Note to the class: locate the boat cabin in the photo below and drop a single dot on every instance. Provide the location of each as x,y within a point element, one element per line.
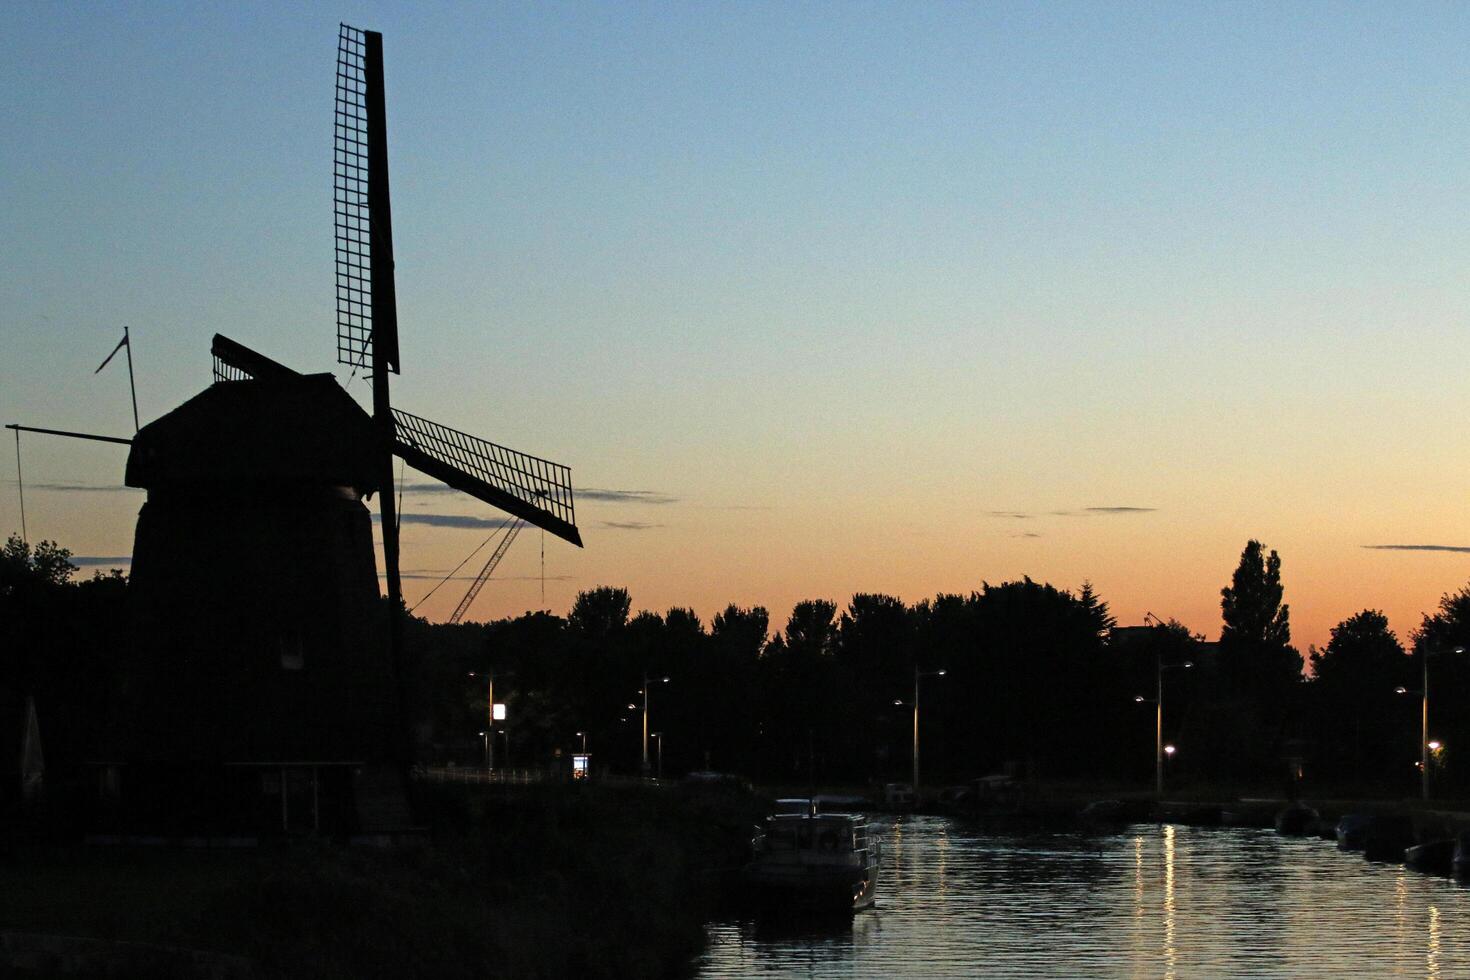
<point>805,834</point>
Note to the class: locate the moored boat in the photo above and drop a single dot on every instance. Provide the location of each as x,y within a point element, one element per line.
<point>1461,860</point>
<point>1435,857</point>
<point>1296,820</point>
<point>1352,831</point>
<point>814,861</point>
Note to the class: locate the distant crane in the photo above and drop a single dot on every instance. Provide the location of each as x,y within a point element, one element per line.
<point>511,531</point>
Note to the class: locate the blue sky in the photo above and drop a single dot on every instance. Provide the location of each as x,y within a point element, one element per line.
<point>845,281</point>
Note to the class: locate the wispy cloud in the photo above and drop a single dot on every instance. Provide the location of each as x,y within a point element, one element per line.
<point>105,561</point>
<point>628,525</point>
<point>599,494</point>
<point>1021,515</point>
<point>1454,548</point>
<point>603,495</point>
<point>83,487</point>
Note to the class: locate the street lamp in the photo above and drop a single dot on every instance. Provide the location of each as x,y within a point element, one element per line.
<point>1424,745</point>
<point>634,707</point>
<point>584,742</point>
<point>1158,702</point>
<point>506,735</point>
<point>915,704</point>
<point>490,713</point>
<point>486,737</point>
<point>660,737</point>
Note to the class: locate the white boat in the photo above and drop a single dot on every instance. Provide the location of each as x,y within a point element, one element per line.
<point>814,861</point>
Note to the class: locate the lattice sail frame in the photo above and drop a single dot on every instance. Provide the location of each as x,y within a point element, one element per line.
<point>537,483</point>
<point>351,203</point>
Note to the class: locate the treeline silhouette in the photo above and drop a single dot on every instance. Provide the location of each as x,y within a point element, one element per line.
<point>1037,679</point>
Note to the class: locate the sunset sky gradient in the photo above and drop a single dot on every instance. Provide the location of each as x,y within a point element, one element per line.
<point>859,297</point>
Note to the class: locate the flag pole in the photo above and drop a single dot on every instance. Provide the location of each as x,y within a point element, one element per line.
<point>132,387</point>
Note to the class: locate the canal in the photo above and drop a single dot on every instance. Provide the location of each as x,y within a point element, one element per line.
<point>1146,901</point>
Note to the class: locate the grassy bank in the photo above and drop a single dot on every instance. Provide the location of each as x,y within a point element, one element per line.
<point>549,881</point>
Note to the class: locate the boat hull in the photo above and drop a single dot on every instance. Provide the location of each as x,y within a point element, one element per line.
<point>812,888</point>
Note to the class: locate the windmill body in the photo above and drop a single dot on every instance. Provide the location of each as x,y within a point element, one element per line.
<point>262,664</point>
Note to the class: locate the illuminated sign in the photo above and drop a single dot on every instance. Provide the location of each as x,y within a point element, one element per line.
<point>497,713</point>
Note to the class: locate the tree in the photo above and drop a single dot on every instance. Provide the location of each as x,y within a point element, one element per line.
<point>810,630</point>
<point>21,567</point>
<point>1439,636</point>
<point>741,633</point>
<point>1256,639</point>
<point>1363,655</point>
<point>599,612</point>
<point>1360,729</point>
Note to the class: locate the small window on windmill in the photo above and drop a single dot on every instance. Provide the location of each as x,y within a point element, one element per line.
<point>293,652</point>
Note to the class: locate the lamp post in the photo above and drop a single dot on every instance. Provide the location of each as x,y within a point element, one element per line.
<point>660,737</point>
<point>584,742</point>
<point>490,711</point>
<point>506,735</point>
<point>1424,746</point>
<point>1158,702</point>
<point>915,705</point>
<point>646,679</point>
<point>486,737</point>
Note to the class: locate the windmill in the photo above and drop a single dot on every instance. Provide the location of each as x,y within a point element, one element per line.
<point>254,586</point>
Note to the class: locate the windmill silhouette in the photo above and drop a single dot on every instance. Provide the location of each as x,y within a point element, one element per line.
<point>263,679</point>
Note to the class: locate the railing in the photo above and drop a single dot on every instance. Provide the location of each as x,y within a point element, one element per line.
<point>467,774</point>
<point>520,777</point>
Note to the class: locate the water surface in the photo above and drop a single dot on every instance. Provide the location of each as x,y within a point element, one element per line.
<point>1150,901</point>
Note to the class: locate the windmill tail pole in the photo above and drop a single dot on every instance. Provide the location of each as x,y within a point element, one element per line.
<point>20,485</point>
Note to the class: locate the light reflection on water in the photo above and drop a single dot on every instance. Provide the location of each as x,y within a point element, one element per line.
<point>1151,901</point>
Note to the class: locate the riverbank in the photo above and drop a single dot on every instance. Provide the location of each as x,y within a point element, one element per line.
<point>535,881</point>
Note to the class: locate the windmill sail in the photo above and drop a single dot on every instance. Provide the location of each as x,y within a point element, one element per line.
<point>366,299</point>
<point>536,490</point>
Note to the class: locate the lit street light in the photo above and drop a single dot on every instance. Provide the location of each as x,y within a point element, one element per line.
<point>491,714</point>
<point>584,742</point>
<point>1424,746</point>
<point>486,737</point>
<point>660,737</point>
<point>1158,702</point>
<point>915,704</point>
<point>634,707</point>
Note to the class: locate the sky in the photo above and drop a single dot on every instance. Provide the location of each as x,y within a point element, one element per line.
<point>814,299</point>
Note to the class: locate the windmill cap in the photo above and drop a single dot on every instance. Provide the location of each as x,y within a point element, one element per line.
<point>300,430</point>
